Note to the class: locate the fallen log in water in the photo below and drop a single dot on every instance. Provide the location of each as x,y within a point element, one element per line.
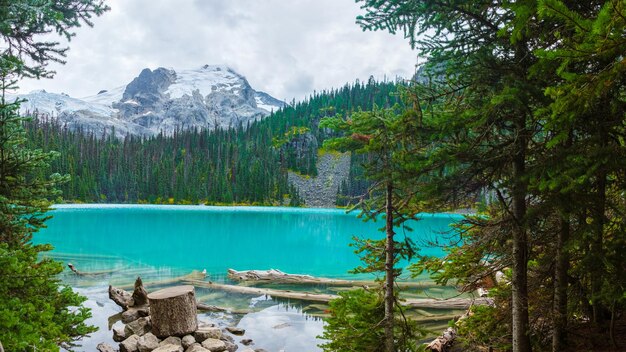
<point>90,273</point>
<point>277,276</point>
<point>305,296</point>
<point>452,303</point>
<point>446,303</point>
<point>195,275</point>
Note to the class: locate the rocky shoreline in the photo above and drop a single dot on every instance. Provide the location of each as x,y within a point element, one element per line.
<point>174,329</point>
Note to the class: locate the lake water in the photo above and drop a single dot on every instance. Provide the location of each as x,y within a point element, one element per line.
<point>160,242</point>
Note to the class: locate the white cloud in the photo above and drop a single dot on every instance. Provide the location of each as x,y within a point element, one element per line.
<point>286,48</point>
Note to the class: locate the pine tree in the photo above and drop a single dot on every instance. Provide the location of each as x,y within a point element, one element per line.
<point>36,312</point>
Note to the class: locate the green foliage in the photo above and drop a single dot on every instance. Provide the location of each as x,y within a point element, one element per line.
<point>356,324</point>
<point>524,112</point>
<point>24,22</point>
<point>36,312</point>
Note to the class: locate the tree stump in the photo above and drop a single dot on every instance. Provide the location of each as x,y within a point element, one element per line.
<point>173,311</point>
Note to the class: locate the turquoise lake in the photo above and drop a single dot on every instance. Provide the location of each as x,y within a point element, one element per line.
<point>184,238</point>
<point>121,242</point>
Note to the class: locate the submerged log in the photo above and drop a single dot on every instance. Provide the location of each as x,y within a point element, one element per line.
<point>197,275</point>
<point>91,273</point>
<point>446,303</point>
<point>305,296</point>
<point>173,311</point>
<point>277,276</point>
<point>452,303</point>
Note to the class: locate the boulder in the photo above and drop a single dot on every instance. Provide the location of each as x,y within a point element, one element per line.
<point>187,341</point>
<point>214,345</point>
<point>207,332</point>
<point>235,330</point>
<point>119,333</point>
<point>173,311</point>
<point>169,348</point>
<point>230,347</point>
<point>130,344</point>
<point>172,340</point>
<point>134,313</point>
<point>246,342</point>
<point>196,347</point>
<point>102,347</point>
<point>139,327</point>
<point>147,342</point>
<point>227,338</point>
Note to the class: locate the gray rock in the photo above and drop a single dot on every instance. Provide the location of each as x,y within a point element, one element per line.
<point>321,191</point>
<point>248,350</point>
<point>134,313</point>
<point>207,332</point>
<point>119,333</point>
<point>227,338</point>
<point>148,342</point>
<point>235,330</point>
<point>196,347</point>
<point>104,347</point>
<point>172,340</point>
<point>130,344</point>
<point>187,341</point>
<point>231,347</point>
<point>246,342</point>
<point>169,348</point>
<point>214,345</point>
<point>139,327</point>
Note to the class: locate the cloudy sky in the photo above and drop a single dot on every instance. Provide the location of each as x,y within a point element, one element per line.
<point>288,48</point>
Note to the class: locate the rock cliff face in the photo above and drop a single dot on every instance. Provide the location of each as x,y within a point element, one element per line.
<point>321,191</point>
<point>160,100</point>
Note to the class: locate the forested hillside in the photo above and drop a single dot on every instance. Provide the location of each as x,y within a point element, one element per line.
<point>243,165</point>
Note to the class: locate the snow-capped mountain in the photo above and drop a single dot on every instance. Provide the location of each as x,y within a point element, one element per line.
<point>160,100</point>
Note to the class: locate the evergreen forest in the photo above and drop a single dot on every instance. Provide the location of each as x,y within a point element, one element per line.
<point>242,165</point>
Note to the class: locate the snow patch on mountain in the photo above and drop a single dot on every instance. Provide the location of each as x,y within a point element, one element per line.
<point>160,101</point>
<point>205,80</point>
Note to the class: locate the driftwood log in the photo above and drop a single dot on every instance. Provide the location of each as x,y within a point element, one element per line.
<point>173,311</point>
<point>125,300</point>
<point>120,297</point>
<point>277,276</point>
<point>444,342</point>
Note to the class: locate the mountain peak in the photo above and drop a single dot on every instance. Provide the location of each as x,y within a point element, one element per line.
<point>162,100</point>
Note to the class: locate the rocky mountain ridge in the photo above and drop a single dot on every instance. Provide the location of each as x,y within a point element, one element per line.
<point>159,101</point>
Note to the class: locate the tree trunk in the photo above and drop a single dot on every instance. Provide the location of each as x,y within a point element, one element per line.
<point>597,251</point>
<point>173,311</point>
<point>559,324</point>
<point>519,284</point>
<point>389,272</point>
